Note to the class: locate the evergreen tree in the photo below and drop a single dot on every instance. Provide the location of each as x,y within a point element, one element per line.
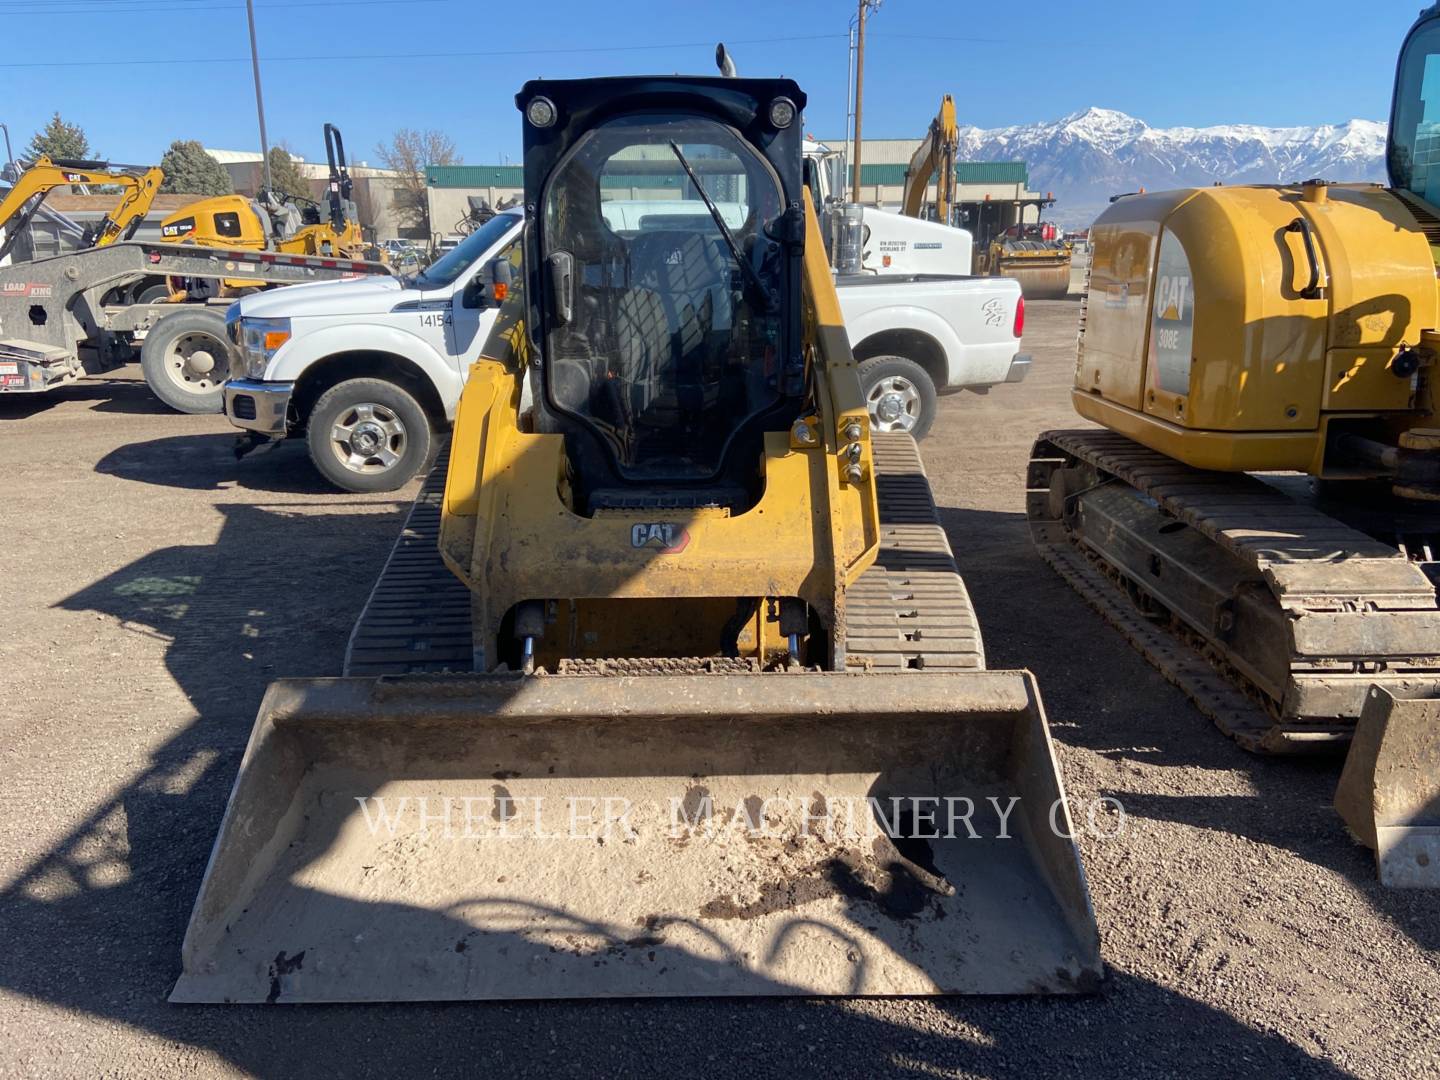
<point>189,170</point>
<point>59,140</point>
<point>285,175</point>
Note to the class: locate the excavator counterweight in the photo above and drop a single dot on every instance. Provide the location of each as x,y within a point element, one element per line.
<point>1256,510</point>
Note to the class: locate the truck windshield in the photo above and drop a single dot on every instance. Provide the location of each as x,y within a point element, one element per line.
<point>444,270</point>
<point>1415,126</point>
<point>663,344</point>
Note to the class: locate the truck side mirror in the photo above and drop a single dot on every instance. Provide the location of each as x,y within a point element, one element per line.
<point>490,286</point>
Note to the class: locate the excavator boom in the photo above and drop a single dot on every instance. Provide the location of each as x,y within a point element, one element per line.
<point>936,154</point>
<point>138,190</point>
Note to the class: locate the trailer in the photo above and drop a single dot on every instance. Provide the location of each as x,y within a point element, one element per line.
<point>91,311</point>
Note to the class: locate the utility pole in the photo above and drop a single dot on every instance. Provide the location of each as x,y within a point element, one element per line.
<point>866,6</point>
<point>259,98</point>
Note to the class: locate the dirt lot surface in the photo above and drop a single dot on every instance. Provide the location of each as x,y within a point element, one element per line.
<point>152,586</point>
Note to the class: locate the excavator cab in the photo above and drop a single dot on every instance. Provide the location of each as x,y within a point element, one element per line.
<point>713,718</point>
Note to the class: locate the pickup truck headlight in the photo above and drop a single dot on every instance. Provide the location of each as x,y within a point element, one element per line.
<point>260,339</point>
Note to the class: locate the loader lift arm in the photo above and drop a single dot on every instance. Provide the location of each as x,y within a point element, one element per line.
<point>937,151</point>
<point>139,188</point>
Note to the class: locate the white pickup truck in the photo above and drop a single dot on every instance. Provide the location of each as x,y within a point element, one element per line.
<point>368,371</point>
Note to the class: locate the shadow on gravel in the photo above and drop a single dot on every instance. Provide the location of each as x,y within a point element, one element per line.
<point>109,395</point>
<point>208,463</point>
<point>95,927</point>
<point>1103,696</point>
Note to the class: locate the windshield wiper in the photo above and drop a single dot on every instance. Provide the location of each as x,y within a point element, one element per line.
<point>745,267</point>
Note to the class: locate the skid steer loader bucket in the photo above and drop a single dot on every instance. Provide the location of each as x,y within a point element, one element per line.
<point>493,837</point>
<point>1389,793</point>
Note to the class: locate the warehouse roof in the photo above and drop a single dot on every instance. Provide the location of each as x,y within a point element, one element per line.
<point>513,176</point>
<point>966,172</point>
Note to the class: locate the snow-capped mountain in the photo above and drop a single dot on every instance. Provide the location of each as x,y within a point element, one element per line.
<point>1088,156</point>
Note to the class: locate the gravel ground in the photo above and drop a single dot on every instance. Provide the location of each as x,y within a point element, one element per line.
<point>152,586</point>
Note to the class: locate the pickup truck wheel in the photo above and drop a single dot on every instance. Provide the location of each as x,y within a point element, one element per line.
<point>186,360</point>
<point>369,435</point>
<point>899,395</point>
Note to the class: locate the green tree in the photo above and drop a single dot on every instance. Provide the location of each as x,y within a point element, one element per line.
<point>59,140</point>
<point>189,170</point>
<point>285,175</point>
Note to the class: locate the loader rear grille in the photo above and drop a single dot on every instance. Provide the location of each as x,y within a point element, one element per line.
<point>662,665</point>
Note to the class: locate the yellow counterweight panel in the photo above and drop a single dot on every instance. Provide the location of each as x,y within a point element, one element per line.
<point>220,221</point>
<point>1382,294</point>
<point>1204,339</point>
<point>1111,359</point>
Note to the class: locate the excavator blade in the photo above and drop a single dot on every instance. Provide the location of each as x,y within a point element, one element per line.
<point>494,837</point>
<point>1389,793</point>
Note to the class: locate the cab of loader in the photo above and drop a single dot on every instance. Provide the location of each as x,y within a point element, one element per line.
<point>1413,146</point>
<point>665,342</point>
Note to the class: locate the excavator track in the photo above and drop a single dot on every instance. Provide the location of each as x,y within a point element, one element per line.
<point>1274,616</point>
<point>910,611</point>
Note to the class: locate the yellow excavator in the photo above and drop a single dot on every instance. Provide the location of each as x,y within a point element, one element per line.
<point>1031,253</point>
<point>935,156</point>
<point>672,687</point>
<point>138,188</point>
<point>1257,509</point>
<point>273,221</point>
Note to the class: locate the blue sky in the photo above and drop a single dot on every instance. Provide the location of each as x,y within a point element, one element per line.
<point>1218,61</point>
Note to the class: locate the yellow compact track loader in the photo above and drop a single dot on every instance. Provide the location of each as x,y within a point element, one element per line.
<point>1257,510</point>
<point>695,703</point>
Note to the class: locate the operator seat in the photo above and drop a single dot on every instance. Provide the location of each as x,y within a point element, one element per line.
<point>686,272</point>
<point>282,220</point>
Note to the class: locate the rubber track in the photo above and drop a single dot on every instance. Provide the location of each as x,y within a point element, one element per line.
<point>417,618</point>
<point>1332,581</point>
<point>909,611</point>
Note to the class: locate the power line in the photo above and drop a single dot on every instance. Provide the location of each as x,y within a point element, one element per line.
<point>170,10</point>
<point>310,59</point>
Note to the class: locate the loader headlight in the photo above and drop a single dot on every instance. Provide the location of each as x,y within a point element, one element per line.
<point>540,112</point>
<point>782,113</point>
<point>260,340</point>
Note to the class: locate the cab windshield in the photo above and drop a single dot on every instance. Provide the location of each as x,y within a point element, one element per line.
<point>1415,127</point>
<point>664,331</point>
<point>444,270</point>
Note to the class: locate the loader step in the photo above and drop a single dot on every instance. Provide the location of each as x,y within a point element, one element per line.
<point>910,611</point>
